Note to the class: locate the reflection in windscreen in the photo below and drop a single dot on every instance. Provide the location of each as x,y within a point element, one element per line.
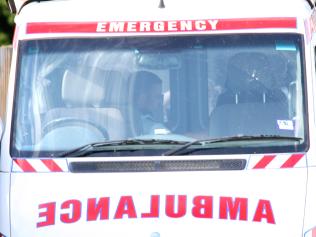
<point>73,92</point>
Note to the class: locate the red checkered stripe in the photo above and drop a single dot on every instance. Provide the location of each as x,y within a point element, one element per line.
<point>39,165</point>
<point>269,161</point>
<point>277,161</point>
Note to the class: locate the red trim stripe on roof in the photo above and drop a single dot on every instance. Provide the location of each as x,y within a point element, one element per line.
<point>160,26</point>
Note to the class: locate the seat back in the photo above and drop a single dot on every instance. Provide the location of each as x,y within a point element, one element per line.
<point>83,102</point>
<point>250,105</point>
<point>79,92</point>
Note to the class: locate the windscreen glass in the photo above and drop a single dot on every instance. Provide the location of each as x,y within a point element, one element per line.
<point>165,91</point>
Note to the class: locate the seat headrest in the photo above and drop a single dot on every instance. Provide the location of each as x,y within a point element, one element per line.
<point>249,70</point>
<point>76,91</point>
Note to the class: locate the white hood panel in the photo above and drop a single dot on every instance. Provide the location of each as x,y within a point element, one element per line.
<point>218,203</point>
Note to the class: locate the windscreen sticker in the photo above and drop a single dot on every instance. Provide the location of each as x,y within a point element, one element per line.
<point>285,124</point>
<point>285,46</point>
<point>161,131</point>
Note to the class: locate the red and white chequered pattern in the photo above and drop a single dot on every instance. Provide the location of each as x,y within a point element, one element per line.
<point>39,165</point>
<point>268,161</point>
<point>277,161</point>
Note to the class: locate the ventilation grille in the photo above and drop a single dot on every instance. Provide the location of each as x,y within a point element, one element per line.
<point>156,166</point>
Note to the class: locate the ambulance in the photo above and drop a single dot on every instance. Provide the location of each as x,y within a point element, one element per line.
<point>160,118</point>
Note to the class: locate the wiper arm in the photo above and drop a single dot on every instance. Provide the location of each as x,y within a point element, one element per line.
<point>97,147</point>
<point>178,150</point>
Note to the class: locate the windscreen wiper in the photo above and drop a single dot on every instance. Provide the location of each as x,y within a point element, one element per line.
<point>103,146</point>
<point>178,151</point>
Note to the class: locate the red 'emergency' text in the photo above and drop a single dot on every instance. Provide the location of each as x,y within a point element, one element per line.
<point>157,26</point>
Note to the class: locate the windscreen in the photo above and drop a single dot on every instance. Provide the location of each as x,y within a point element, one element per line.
<point>165,91</point>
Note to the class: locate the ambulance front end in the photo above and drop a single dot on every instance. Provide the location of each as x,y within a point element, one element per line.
<point>159,129</point>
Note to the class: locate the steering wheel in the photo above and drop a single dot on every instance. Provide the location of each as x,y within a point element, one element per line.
<point>71,122</point>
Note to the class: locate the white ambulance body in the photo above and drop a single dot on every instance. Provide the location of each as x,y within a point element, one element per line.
<point>224,148</point>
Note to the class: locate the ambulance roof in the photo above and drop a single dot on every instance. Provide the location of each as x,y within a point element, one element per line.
<point>134,10</point>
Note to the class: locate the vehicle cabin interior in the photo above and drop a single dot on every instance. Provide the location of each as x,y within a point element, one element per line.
<point>89,96</point>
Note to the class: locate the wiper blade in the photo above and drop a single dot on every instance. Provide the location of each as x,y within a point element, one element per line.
<point>178,150</point>
<point>98,146</point>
